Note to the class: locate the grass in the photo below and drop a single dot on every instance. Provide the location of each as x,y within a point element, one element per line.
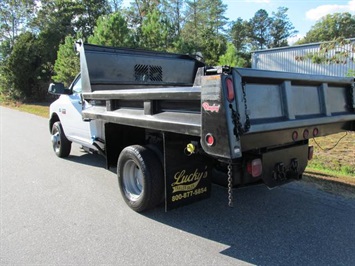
<point>333,164</point>
<point>331,159</point>
<point>40,109</point>
<point>334,154</point>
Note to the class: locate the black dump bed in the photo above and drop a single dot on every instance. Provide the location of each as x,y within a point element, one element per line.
<point>176,93</point>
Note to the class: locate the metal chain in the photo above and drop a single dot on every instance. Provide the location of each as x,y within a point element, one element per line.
<point>236,122</point>
<point>239,128</point>
<point>247,119</point>
<point>230,185</point>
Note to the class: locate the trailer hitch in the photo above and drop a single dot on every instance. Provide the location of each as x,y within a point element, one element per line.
<point>281,173</point>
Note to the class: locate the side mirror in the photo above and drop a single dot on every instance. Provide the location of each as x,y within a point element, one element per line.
<point>58,89</point>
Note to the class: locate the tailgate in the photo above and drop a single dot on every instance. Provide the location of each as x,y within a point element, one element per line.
<point>279,100</point>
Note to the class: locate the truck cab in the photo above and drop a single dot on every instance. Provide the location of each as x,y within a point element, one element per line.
<point>67,110</point>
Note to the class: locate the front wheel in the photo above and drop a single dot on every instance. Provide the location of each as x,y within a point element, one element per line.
<point>140,178</point>
<point>61,145</point>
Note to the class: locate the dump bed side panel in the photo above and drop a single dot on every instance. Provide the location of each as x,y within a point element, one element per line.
<point>106,68</point>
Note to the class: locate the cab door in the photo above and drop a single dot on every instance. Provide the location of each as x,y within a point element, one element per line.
<point>77,129</point>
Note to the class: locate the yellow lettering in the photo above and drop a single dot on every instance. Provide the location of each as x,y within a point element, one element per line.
<point>188,181</point>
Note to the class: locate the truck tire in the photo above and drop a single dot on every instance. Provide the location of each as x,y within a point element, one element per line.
<point>61,145</point>
<point>140,178</point>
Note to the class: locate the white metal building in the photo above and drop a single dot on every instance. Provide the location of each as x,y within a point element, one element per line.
<point>293,59</point>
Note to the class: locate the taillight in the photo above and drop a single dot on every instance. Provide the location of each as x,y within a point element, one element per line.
<point>295,135</point>
<point>255,167</point>
<point>230,90</point>
<point>209,139</point>
<point>310,152</point>
<point>305,134</point>
<point>315,132</point>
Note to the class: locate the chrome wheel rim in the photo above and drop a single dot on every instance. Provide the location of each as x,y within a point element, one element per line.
<point>132,180</point>
<point>56,140</point>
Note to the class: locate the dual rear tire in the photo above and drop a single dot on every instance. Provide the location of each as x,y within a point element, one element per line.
<point>140,177</point>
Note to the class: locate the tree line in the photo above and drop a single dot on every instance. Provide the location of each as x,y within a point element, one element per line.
<point>37,36</point>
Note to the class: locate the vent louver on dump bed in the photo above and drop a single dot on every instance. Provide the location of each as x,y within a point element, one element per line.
<point>148,73</point>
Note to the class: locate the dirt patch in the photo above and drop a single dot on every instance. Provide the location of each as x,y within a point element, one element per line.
<point>335,185</point>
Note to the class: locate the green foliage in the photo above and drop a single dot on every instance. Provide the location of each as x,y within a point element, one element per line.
<point>21,72</point>
<point>174,10</point>
<point>56,18</point>
<point>259,30</point>
<point>231,58</point>
<point>351,73</point>
<point>88,12</point>
<point>67,65</point>
<point>338,51</point>
<point>29,60</point>
<point>262,31</point>
<point>14,17</point>
<point>138,10</point>
<point>281,28</point>
<point>70,17</point>
<point>155,31</point>
<point>112,30</point>
<point>5,50</point>
<point>239,33</point>
<point>203,30</point>
<point>331,27</point>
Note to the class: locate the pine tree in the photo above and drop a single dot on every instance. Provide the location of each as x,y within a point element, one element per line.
<point>67,65</point>
<point>112,30</point>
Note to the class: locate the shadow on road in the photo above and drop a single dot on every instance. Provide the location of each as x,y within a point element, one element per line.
<point>291,225</point>
<point>86,158</point>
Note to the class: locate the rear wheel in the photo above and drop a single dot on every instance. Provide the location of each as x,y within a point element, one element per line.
<point>140,177</point>
<point>61,145</point>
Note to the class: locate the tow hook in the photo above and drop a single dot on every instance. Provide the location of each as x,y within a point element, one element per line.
<point>279,172</point>
<point>294,173</point>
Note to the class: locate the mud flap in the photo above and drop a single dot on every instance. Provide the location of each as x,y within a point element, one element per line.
<point>285,165</point>
<point>187,177</point>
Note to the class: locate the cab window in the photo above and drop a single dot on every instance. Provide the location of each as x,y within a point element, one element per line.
<point>77,86</point>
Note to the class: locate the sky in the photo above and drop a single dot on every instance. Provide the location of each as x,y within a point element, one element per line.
<point>302,13</point>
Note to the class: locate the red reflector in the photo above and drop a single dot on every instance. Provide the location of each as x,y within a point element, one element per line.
<point>209,139</point>
<point>305,134</point>
<point>315,132</point>
<point>295,135</point>
<point>230,90</point>
<point>310,152</point>
<point>255,167</point>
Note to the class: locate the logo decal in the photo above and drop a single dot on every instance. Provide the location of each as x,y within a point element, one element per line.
<point>187,181</point>
<point>211,108</point>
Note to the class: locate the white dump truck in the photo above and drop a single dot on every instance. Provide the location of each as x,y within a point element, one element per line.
<point>172,125</point>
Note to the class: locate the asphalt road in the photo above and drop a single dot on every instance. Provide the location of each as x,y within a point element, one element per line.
<point>70,211</point>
